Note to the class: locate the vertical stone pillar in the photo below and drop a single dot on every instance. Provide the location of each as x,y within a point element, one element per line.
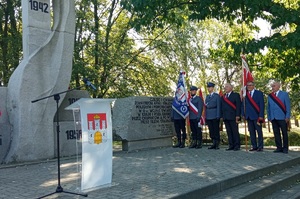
<point>45,70</point>
<point>36,23</point>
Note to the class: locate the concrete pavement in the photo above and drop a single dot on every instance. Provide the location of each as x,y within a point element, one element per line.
<point>153,173</point>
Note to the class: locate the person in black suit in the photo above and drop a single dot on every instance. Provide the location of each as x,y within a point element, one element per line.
<point>231,111</point>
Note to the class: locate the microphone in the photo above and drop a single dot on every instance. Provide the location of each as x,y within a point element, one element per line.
<point>88,83</point>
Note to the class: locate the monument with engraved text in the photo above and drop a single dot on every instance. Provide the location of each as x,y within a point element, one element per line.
<point>143,122</point>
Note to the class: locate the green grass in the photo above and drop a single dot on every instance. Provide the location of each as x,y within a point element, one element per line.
<point>293,134</point>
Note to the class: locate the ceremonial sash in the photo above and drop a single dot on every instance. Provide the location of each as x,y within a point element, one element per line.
<point>229,102</point>
<point>278,102</point>
<point>193,107</point>
<point>252,102</point>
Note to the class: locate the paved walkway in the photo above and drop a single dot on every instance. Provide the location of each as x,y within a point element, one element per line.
<point>155,173</point>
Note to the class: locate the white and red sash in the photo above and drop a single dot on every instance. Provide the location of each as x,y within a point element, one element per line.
<point>192,106</point>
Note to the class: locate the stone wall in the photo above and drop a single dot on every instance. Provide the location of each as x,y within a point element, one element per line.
<point>143,122</point>
<point>5,130</point>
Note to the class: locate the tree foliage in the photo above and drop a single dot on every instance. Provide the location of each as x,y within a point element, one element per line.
<point>284,16</point>
<point>10,38</point>
<point>137,47</point>
<point>281,61</point>
<point>107,54</point>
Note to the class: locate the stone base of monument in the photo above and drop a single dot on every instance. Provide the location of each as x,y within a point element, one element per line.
<point>68,143</point>
<point>145,144</point>
<point>68,135</point>
<point>4,140</point>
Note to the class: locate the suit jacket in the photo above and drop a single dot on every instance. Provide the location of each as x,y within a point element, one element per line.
<point>229,113</point>
<point>198,102</point>
<point>251,113</point>
<point>274,111</point>
<point>213,106</point>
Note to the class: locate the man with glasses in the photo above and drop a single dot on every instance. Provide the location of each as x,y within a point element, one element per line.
<point>253,111</point>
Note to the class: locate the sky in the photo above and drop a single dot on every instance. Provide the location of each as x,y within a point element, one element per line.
<point>264,26</point>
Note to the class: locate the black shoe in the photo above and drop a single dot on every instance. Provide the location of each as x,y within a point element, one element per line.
<point>212,147</point>
<point>277,151</point>
<point>177,145</point>
<point>182,144</point>
<point>253,149</point>
<point>236,149</point>
<point>217,145</point>
<point>193,145</point>
<point>259,150</point>
<point>229,149</point>
<point>198,146</point>
<point>285,151</point>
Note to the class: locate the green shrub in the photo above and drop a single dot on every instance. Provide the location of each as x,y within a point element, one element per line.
<point>294,139</point>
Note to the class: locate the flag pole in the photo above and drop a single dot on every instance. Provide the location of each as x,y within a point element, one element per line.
<point>244,102</point>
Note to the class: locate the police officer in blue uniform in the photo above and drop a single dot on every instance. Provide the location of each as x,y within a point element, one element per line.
<point>212,115</point>
<point>195,112</point>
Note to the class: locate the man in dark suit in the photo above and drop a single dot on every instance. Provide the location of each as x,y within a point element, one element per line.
<point>212,115</point>
<point>253,111</point>
<point>195,112</point>
<point>231,111</point>
<point>279,113</point>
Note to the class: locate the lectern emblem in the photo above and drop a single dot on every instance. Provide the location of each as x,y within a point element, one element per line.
<point>97,128</point>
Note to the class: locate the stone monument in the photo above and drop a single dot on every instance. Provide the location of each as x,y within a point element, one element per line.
<point>143,122</point>
<point>45,70</point>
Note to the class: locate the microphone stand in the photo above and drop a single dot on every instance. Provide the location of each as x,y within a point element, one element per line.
<point>59,188</point>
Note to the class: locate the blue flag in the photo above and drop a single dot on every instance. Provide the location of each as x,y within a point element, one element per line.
<point>179,103</point>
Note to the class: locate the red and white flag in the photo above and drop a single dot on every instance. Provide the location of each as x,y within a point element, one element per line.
<point>247,76</point>
<point>202,120</point>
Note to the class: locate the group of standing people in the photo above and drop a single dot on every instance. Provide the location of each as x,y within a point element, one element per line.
<point>232,108</point>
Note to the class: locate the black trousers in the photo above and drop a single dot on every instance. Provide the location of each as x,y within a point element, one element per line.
<point>180,127</point>
<point>233,134</point>
<point>196,131</point>
<point>214,129</point>
<point>281,142</point>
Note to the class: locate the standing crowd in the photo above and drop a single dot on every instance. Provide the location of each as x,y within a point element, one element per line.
<point>231,108</point>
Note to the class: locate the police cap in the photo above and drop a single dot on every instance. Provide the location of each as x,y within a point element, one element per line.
<point>193,88</point>
<point>210,84</point>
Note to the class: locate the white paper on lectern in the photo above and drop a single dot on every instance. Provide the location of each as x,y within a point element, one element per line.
<point>96,157</point>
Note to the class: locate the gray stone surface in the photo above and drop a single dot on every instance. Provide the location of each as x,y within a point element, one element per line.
<point>143,122</point>
<point>158,173</point>
<point>70,134</point>
<point>69,145</point>
<point>3,110</point>
<point>70,98</point>
<point>45,70</point>
<point>5,128</point>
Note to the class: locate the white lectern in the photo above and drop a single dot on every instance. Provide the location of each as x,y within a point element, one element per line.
<point>96,128</point>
